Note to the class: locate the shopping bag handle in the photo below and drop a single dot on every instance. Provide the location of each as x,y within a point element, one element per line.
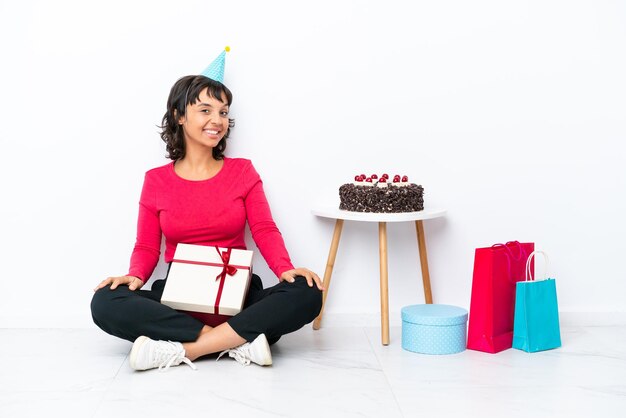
<point>529,276</point>
<point>506,246</point>
<point>510,256</point>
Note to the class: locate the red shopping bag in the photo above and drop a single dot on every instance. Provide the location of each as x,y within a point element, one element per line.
<point>496,271</point>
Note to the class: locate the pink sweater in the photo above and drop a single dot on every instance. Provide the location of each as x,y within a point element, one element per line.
<point>205,212</point>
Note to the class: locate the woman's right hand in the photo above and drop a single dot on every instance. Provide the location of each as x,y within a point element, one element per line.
<point>132,282</point>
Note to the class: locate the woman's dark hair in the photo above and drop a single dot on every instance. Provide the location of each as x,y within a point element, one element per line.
<point>186,91</point>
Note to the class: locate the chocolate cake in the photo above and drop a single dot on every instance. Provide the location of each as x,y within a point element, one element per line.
<point>370,194</point>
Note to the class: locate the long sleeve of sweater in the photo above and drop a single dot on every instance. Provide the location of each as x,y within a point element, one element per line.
<point>264,231</point>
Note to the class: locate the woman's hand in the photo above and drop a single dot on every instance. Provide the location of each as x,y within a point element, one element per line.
<point>290,276</point>
<point>132,282</point>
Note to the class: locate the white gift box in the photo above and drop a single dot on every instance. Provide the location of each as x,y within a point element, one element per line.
<point>208,279</point>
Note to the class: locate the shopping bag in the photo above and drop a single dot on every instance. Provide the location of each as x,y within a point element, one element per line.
<point>496,271</point>
<point>536,323</point>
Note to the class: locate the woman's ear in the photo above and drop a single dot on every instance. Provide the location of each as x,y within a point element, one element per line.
<point>180,119</point>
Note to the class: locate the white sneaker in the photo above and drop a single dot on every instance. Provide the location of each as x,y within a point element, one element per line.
<point>258,351</point>
<point>149,354</point>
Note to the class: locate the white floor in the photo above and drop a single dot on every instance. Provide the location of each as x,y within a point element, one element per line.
<point>334,372</point>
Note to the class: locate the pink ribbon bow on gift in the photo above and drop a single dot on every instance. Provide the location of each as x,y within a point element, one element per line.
<point>228,268</point>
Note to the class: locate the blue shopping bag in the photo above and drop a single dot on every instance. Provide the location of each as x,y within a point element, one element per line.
<point>536,320</point>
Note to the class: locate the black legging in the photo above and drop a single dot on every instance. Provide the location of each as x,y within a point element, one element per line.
<point>275,311</point>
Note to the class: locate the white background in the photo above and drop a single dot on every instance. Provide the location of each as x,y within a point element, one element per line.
<point>510,114</point>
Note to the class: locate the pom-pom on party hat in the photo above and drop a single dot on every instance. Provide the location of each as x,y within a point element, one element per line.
<point>215,70</point>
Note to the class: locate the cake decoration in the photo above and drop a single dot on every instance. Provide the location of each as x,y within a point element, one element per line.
<point>379,195</point>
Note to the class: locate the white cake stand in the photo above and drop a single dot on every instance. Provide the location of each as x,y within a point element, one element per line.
<point>382,218</point>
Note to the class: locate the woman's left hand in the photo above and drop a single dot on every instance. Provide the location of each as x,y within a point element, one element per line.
<point>290,276</point>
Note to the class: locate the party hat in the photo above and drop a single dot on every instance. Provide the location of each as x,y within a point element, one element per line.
<point>215,70</point>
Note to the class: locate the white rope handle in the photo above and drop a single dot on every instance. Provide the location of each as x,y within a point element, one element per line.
<point>529,276</point>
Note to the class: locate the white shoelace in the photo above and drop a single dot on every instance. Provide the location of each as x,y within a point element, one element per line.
<point>241,354</point>
<point>167,355</point>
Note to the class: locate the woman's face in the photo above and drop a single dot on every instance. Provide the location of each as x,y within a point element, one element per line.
<point>206,121</point>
